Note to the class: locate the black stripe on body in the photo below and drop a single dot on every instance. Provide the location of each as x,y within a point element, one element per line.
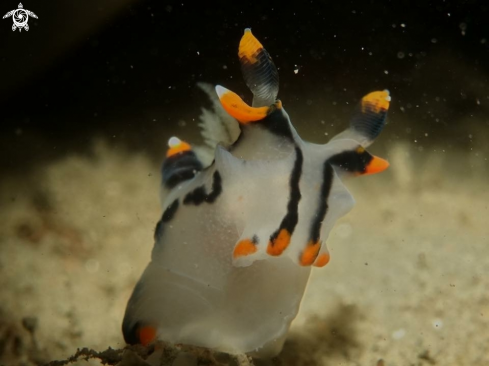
<point>167,216</point>
<point>354,161</point>
<point>200,195</point>
<point>291,218</point>
<point>179,168</point>
<point>328,174</point>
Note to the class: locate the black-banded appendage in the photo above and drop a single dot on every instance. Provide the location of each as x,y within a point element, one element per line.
<point>179,168</point>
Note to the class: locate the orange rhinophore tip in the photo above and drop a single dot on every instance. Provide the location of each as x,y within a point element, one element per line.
<point>376,101</point>
<point>244,247</point>
<point>147,335</point>
<point>376,165</point>
<point>279,244</point>
<point>176,146</point>
<point>309,254</point>
<point>238,109</point>
<point>249,47</point>
<point>322,260</point>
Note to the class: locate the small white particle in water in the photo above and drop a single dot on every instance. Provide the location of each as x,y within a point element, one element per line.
<point>463,28</point>
<point>403,25</point>
<point>325,134</point>
<point>386,72</point>
<point>437,323</point>
<point>398,334</point>
<point>434,40</point>
<point>198,53</point>
<point>92,265</point>
<point>132,67</point>
<point>478,102</point>
<point>426,134</point>
<point>225,67</point>
<point>400,55</point>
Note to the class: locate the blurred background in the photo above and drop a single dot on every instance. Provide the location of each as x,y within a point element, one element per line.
<point>126,70</point>
<point>91,93</point>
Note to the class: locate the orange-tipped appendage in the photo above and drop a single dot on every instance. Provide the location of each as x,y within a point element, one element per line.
<point>309,254</point>
<point>243,248</point>
<point>377,101</point>
<point>279,244</point>
<point>376,165</point>
<point>147,335</point>
<point>237,108</point>
<point>176,146</point>
<point>322,260</point>
<point>249,47</point>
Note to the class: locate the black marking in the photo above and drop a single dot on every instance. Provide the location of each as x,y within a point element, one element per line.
<point>354,161</point>
<point>368,122</point>
<point>278,123</point>
<point>170,211</point>
<point>291,218</point>
<point>130,329</point>
<point>158,231</point>
<point>323,202</point>
<point>200,195</point>
<point>255,240</point>
<point>179,168</point>
<point>167,216</point>
<point>197,196</point>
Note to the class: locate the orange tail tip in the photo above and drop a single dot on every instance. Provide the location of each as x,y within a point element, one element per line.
<point>249,47</point>
<point>237,108</point>
<point>310,254</point>
<point>377,101</point>
<point>376,165</point>
<point>279,244</point>
<point>176,146</point>
<point>244,247</point>
<point>322,260</point>
<point>147,335</point>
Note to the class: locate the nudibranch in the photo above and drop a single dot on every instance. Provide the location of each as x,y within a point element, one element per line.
<point>237,239</point>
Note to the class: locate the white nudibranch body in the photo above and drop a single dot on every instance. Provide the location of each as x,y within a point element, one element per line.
<point>236,241</point>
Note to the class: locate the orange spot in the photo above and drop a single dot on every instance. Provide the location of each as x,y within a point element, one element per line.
<point>249,47</point>
<point>322,260</point>
<point>376,165</point>
<point>310,253</point>
<point>243,248</point>
<point>176,149</point>
<point>377,101</point>
<point>238,109</point>
<point>147,335</point>
<point>279,244</point>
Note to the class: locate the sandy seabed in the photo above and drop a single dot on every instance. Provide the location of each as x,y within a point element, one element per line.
<point>407,284</point>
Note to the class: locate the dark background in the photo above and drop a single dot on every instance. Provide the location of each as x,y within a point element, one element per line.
<point>126,70</point>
